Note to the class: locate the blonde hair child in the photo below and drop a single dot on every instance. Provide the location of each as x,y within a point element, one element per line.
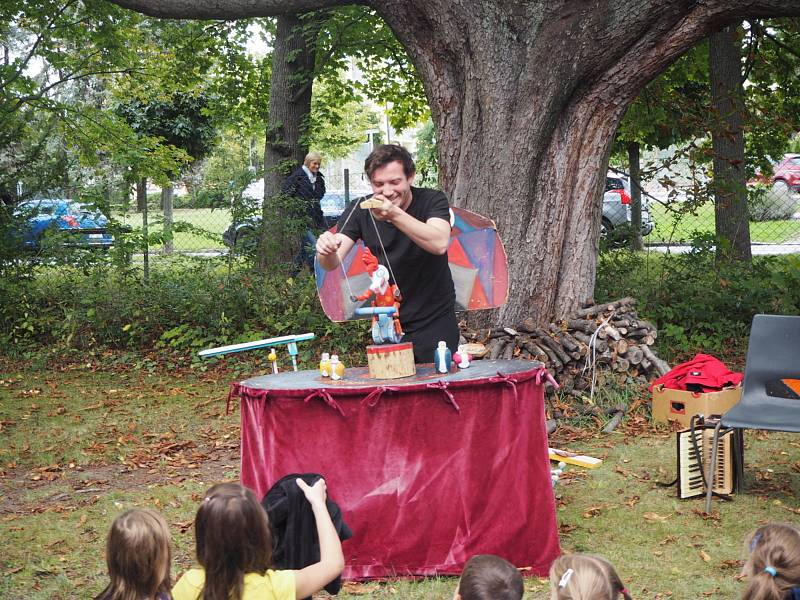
<point>773,565</point>
<point>585,577</point>
<point>138,557</point>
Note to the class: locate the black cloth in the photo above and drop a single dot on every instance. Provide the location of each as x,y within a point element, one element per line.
<point>427,310</point>
<point>294,528</point>
<point>299,185</point>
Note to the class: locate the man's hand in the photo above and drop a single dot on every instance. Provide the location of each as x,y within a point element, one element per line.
<point>328,243</point>
<point>387,210</point>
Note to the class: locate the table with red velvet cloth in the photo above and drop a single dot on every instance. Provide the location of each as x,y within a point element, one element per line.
<point>428,470</point>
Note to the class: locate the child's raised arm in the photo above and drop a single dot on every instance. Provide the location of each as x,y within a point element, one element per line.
<point>331,559</point>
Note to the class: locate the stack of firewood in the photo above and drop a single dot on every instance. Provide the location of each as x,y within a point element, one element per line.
<point>611,335</point>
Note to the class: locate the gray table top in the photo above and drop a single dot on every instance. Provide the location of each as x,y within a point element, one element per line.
<point>358,377</point>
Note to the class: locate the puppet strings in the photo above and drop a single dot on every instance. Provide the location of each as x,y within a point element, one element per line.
<point>380,241</point>
<point>385,255</point>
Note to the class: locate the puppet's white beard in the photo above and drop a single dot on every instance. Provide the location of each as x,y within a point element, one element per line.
<point>379,286</point>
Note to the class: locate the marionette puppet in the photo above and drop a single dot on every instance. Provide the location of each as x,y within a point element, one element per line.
<point>478,266</point>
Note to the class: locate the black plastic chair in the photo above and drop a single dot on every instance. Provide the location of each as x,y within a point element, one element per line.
<point>773,355</point>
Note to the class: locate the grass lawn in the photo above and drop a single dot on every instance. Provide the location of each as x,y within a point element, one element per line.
<point>214,221</point>
<point>82,443</point>
<point>674,228</point>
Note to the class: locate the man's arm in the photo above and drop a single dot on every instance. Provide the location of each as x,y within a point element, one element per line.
<point>332,248</point>
<point>432,236</point>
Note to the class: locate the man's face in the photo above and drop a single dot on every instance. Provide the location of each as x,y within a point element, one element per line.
<point>314,165</point>
<point>391,182</point>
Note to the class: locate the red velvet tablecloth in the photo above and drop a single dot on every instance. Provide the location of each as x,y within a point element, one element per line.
<point>428,470</point>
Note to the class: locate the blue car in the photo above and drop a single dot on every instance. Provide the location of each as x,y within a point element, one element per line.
<point>85,226</point>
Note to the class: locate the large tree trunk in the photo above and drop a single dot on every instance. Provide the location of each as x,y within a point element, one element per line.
<point>727,139</point>
<point>636,195</point>
<point>284,147</point>
<point>526,97</point>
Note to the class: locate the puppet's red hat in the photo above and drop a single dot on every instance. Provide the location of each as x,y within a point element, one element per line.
<point>370,262</point>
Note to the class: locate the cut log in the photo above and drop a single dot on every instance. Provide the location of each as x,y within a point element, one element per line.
<point>528,325</point>
<point>508,351</point>
<point>584,325</point>
<point>593,311</point>
<point>543,338</point>
<point>554,361</point>
<point>661,366</point>
<point>614,422</point>
<point>634,355</point>
<point>621,346</point>
<point>495,347</point>
<point>621,365</point>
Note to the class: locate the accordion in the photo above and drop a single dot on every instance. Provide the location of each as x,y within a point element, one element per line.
<point>695,448</point>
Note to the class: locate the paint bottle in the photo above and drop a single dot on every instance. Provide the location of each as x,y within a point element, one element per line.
<point>325,365</point>
<point>337,368</point>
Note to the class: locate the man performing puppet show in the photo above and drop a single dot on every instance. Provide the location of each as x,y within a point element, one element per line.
<point>408,231</point>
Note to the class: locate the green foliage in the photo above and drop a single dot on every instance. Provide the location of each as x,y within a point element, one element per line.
<point>427,160</point>
<point>697,304</point>
<point>186,305</point>
<point>357,35</point>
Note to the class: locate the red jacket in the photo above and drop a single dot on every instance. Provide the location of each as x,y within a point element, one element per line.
<point>703,373</point>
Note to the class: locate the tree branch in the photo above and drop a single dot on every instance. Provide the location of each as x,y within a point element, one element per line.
<point>229,9</point>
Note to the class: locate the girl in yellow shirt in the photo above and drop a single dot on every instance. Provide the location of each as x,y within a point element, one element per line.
<point>234,549</point>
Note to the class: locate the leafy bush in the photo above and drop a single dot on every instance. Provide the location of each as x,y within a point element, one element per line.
<point>768,203</point>
<point>699,304</point>
<point>186,306</point>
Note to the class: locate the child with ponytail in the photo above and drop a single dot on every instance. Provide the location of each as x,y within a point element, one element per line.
<point>773,565</point>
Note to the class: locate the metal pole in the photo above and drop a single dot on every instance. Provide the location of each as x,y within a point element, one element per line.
<point>346,186</point>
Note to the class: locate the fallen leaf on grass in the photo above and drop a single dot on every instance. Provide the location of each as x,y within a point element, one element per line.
<point>705,556</point>
<point>360,589</point>
<point>731,564</point>
<point>655,517</point>
<point>593,511</point>
<point>632,501</point>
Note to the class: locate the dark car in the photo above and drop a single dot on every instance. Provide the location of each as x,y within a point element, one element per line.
<point>244,234</point>
<point>81,225</point>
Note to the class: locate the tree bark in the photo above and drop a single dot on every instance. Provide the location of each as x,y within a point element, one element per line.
<point>727,139</point>
<point>141,194</point>
<point>167,195</point>
<point>284,146</point>
<point>636,196</point>
<point>526,97</point>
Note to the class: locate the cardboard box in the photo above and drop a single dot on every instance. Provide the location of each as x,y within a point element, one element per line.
<point>679,405</point>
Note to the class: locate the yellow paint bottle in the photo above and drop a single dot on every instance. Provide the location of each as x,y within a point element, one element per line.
<point>325,365</point>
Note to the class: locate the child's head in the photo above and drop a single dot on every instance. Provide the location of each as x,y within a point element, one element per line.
<point>585,577</point>
<point>233,538</point>
<point>138,556</point>
<point>489,577</point>
<point>773,567</point>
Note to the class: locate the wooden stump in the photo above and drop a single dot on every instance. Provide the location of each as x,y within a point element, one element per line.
<point>391,361</point>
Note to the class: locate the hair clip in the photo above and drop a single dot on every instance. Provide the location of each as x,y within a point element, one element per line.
<point>771,570</point>
<point>565,578</point>
<point>754,541</point>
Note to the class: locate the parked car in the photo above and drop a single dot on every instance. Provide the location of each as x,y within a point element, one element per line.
<point>617,206</point>
<point>244,233</point>
<point>786,174</point>
<point>86,226</point>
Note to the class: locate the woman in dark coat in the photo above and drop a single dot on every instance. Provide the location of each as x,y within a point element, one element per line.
<point>307,184</point>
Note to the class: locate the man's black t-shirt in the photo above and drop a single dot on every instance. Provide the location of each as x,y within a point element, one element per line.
<point>427,309</point>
